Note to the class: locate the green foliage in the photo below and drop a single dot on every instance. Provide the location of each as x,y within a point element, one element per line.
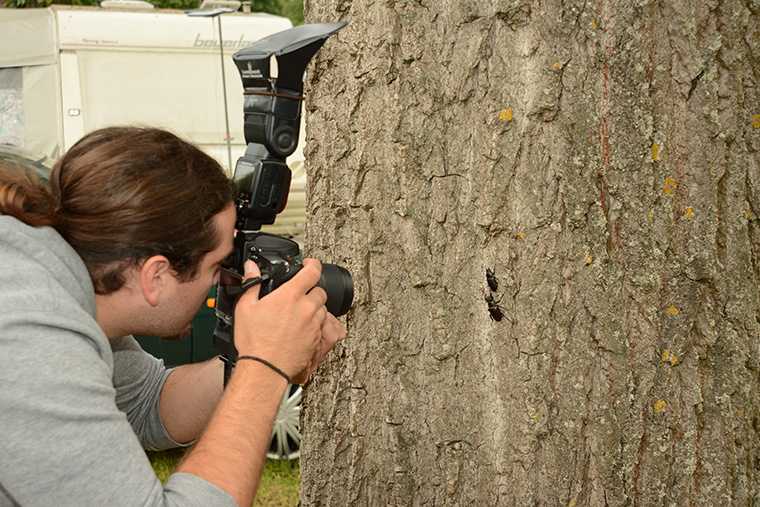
<point>292,9</point>
<point>26,3</point>
<point>173,4</point>
<point>270,6</point>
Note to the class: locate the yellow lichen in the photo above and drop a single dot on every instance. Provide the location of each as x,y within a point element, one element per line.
<point>669,183</point>
<point>688,213</point>
<point>506,115</point>
<point>673,310</point>
<point>556,65</point>
<point>657,152</point>
<point>660,406</point>
<point>587,258</point>
<point>522,234</point>
<point>668,357</point>
<point>756,121</point>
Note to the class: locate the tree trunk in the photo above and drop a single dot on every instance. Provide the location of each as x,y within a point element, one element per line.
<point>602,158</point>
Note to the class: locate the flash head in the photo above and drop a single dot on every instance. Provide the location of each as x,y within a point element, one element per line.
<point>272,107</point>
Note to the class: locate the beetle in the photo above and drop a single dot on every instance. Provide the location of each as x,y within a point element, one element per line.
<point>493,282</point>
<point>493,306</point>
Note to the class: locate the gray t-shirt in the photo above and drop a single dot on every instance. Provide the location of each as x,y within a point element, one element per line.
<point>76,410</point>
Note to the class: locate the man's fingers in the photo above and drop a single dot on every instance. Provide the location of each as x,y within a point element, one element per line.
<point>307,277</point>
<point>319,295</point>
<point>252,271</point>
<point>332,331</point>
<point>302,283</point>
<point>339,328</point>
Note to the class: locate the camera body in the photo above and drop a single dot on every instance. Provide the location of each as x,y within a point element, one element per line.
<point>272,116</point>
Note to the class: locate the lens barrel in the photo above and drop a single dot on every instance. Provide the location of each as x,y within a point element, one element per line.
<point>339,286</point>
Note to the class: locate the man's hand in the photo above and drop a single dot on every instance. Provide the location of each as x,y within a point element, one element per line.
<point>290,328</point>
<point>332,332</point>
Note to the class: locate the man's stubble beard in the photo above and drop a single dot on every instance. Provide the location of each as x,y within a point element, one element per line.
<point>179,336</point>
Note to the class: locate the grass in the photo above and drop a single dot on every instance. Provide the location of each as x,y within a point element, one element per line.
<point>165,462</point>
<point>279,486</point>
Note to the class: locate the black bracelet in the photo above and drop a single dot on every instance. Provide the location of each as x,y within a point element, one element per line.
<point>263,361</point>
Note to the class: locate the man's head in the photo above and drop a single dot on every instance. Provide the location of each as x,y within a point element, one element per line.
<point>124,194</point>
<point>162,304</point>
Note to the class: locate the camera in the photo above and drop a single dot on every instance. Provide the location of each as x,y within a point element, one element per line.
<point>272,117</point>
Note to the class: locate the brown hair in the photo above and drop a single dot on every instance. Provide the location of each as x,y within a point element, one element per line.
<point>123,194</point>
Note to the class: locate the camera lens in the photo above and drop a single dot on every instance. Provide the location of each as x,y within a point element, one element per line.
<point>339,286</point>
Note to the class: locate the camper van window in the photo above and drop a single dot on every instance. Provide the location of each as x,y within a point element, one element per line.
<point>12,107</point>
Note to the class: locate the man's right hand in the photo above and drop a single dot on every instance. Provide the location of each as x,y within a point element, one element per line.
<point>286,327</point>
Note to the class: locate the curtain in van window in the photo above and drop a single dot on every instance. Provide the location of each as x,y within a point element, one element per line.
<point>12,107</point>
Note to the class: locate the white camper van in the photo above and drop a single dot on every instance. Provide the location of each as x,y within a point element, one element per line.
<point>65,71</point>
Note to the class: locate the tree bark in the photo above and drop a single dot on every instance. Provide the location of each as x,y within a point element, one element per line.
<point>602,158</point>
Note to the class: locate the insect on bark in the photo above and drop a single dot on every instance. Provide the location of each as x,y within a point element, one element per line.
<point>493,306</point>
<point>493,282</point>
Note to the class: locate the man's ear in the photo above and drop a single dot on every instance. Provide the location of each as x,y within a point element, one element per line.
<point>155,274</point>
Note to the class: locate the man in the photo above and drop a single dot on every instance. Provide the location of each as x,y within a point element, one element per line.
<point>128,239</point>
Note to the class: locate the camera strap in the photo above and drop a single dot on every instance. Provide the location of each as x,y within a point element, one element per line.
<point>252,282</point>
<point>272,94</point>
